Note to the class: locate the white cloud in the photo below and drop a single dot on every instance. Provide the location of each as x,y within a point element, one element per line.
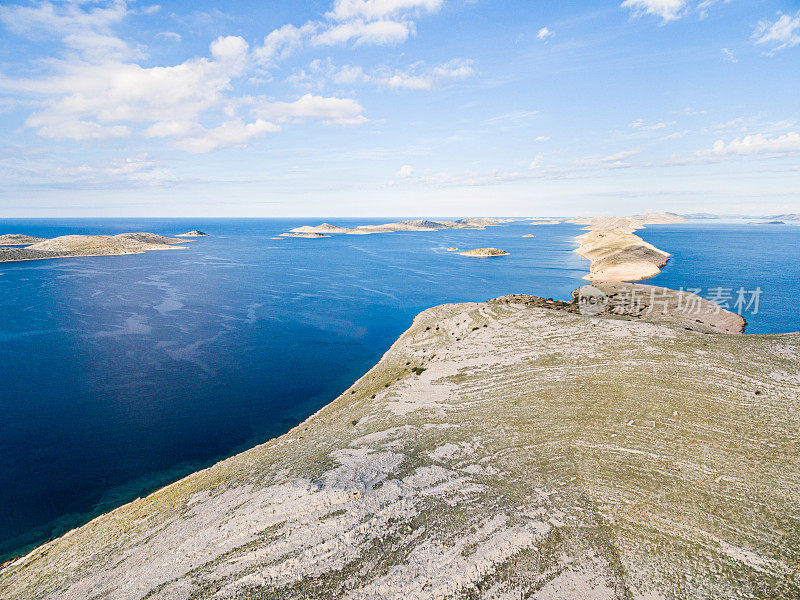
<point>677,135</point>
<point>451,71</point>
<point>405,171</point>
<point>729,56</point>
<point>344,10</point>
<point>280,43</point>
<point>642,126</point>
<point>319,72</point>
<point>781,145</point>
<point>86,31</point>
<point>342,111</point>
<point>362,32</point>
<point>536,162</point>
<point>96,100</point>
<point>611,160</point>
<point>668,10</point>
<point>542,138</point>
<point>781,34</point>
<point>229,134</point>
<point>170,36</point>
<point>544,34</point>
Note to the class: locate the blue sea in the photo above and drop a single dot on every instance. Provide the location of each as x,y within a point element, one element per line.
<point>123,373</point>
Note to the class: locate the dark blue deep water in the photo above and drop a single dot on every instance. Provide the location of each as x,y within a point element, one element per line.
<point>119,374</point>
<point>722,258</point>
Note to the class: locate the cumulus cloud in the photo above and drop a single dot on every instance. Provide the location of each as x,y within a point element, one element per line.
<point>342,111</point>
<point>668,10</point>
<point>781,145</point>
<point>370,10</point>
<point>97,100</point>
<point>87,31</point>
<point>362,32</point>
<point>97,90</point>
<point>405,171</point>
<point>280,43</point>
<point>544,34</point>
<point>780,34</point>
<point>231,133</point>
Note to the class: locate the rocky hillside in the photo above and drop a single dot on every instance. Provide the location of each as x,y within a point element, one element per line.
<point>90,245</point>
<point>507,449</point>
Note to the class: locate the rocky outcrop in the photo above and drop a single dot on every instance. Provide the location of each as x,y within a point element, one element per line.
<point>508,449</point>
<point>90,245</point>
<point>193,233</point>
<point>484,252</point>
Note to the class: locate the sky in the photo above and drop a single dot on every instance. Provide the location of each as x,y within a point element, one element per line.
<point>398,108</point>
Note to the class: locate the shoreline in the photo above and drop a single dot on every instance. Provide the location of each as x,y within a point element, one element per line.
<point>408,427</point>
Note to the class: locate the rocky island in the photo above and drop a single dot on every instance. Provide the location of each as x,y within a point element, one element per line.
<point>306,234</point>
<point>484,252</point>
<point>68,246</point>
<point>411,225</point>
<point>193,233</point>
<point>18,239</point>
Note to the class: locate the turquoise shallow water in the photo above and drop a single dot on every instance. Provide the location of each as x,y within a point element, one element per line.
<point>120,374</point>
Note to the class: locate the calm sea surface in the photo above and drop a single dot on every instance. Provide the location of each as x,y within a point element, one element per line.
<point>119,374</point>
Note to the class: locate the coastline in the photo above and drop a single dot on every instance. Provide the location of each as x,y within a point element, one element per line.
<point>411,387</point>
<point>442,432</point>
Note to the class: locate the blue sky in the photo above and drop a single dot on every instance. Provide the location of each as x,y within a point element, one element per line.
<point>398,107</point>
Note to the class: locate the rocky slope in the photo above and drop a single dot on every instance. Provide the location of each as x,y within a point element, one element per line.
<point>90,245</point>
<point>507,449</point>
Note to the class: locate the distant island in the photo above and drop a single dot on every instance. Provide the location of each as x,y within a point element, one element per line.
<point>68,246</point>
<point>550,222</point>
<point>484,252</point>
<point>410,225</point>
<point>193,233</point>
<point>305,234</point>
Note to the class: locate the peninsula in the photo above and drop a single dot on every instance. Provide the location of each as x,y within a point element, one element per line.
<point>503,449</point>
<point>617,254</point>
<point>68,246</point>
